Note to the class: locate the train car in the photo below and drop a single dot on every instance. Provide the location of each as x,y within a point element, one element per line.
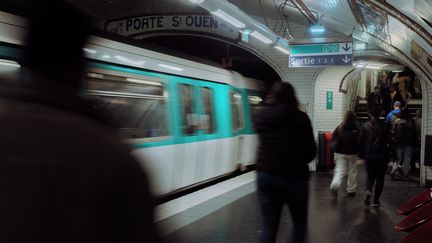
<point>188,122</point>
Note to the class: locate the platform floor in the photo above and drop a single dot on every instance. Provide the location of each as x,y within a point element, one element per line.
<point>234,216</point>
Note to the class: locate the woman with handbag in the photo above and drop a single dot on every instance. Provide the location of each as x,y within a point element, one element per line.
<point>344,144</point>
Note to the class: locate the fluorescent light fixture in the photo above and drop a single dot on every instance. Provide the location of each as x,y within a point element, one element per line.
<point>9,63</point>
<point>141,81</point>
<point>171,67</point>
<point>317,28</point>
<point>396,71</point>
<point>129,61</point>
<point>106,56</point>
<point>91,51</point>
<point>373,66</point>
<point>282,49</point>
<point>196,1</point>
<point>228,18</point>
<point>257,35</point>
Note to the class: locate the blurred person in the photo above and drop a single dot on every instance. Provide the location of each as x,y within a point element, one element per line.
<point>286,146</point>
<point>396,96</point>
<point>386,98</point>
<point>375,100</point>
<point>403,135</point>
<point>392,114</point>
<point>64,175</point>
<point>344,144</point>
<point>374,148</point>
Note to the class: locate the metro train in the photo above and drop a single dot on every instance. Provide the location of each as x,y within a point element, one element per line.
<point>188,122</point>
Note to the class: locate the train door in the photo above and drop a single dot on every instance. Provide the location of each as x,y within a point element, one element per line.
<point>208,145</point>
<point>187,136</point>
<point>238,126</point>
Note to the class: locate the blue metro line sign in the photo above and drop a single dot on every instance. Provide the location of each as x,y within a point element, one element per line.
<point>320,55</point>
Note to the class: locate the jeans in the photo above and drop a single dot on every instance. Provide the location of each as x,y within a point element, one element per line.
<point>403,154</point>
<point>346,164</point>
<point>274,191</point>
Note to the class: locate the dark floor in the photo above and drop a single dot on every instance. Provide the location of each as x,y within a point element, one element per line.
<point>330,220</point>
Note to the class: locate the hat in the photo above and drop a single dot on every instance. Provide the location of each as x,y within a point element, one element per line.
<point>397,103</point>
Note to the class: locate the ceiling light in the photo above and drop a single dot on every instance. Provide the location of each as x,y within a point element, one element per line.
<point>106,56</point>
<point>257,35</point>
<point>317,28</point>
<point>170,67</point>
<point>228,18</point>
<point>196,1</point>
<point>373,66</point>
<point>284,50</point>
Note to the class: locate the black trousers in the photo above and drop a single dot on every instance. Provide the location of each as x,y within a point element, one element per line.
<point>274,191</point>
<point>376,169</point>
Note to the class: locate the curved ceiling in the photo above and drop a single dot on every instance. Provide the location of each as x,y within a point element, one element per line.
<point>401,28</point>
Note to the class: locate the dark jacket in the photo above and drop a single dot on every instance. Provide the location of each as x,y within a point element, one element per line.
<point>374,103</point>
<point>374,141</point>
<point>286,141</point>
<point>345,139</point>
<point>66,178</point>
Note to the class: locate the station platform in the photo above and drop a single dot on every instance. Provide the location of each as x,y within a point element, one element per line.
<point>229,212</point>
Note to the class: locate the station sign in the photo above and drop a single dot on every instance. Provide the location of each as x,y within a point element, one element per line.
<point>142,25</point>
<point>321,55</point>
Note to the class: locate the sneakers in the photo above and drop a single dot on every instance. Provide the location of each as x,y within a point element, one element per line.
<point>367,198</point>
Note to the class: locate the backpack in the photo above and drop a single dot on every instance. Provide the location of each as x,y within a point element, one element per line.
<point>402,131</point>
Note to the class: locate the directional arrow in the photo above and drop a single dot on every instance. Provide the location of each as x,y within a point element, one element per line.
<point>346,59</point>
<point>346,48</point>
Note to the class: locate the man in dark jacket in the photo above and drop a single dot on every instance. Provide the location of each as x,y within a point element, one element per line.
<point>375,100</point>
<point>286,147</point>
<point>64,176</point>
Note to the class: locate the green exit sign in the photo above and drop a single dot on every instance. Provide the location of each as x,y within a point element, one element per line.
<point>329,100</point>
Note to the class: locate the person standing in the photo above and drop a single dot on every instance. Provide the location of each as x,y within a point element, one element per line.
<point>375,100</point>
<point>403,134</point>
<point>344,144</point>
<point>65,176</point>
<point>286,146</point>
<point>395,112</point>
<point>374,147</point>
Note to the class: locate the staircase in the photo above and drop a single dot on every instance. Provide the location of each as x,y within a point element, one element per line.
<point>361,109</point>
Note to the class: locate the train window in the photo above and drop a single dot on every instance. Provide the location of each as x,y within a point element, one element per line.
<point>207,119</point>
<point>9,70</point>
<point>135,117</point>
<point>256,103</point>
<point>136,107</point>
<point>236,111</point>
<point>189,117</point>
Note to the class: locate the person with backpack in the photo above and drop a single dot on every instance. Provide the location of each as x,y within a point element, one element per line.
<point>374,148</point>
<point>403,136</point>
<point>344,144</point>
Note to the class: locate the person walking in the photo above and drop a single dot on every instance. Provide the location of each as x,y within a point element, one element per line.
<point>344,144</point>
<point>286,146</point>
<point>65,177</point>
<point>374,147</point>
